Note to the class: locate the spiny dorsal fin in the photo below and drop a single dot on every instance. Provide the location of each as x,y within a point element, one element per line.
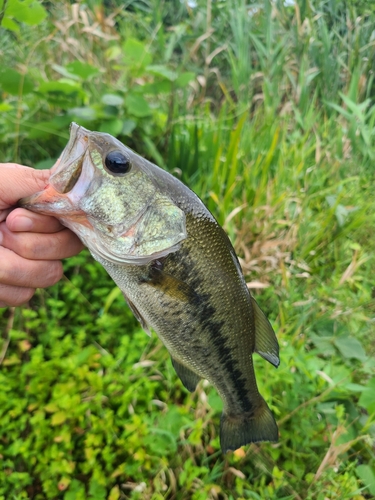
<point>266,344</point>
<point>187,376</point>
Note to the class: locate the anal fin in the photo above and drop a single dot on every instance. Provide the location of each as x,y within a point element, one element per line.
<point>266,344</point>
<point>187,376</point>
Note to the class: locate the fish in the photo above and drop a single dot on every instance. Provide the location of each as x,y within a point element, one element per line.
<point>176,268</point>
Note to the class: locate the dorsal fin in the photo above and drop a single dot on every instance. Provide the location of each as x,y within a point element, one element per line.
<point>266,344</point>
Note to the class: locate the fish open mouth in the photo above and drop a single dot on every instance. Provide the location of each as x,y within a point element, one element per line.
<point>66,172</point>
<point>65,175</point>
<point>75,176</point>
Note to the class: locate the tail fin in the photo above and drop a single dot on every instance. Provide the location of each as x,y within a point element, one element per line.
<point>237,430</point>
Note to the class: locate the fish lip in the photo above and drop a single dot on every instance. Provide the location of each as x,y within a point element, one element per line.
<point>47,202</point>
<point>67,169</point>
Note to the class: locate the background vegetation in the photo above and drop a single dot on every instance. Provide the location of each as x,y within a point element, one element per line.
<point>266,109</point>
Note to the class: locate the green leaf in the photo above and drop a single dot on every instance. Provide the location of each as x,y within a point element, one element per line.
<point>76,491</point>
<point>36,14</point>
<point>83,113</point>
<point>323,344</point>
<point>97,491</point>
<point>51,408</point>
<point>113,52</point>
<point>367,475</point>
<point>341,214</point>
<point>27,11</point>
<point>355,387</point>
<point>60,87</point>
<point>11,360</point>
<point>173,421</point>
<point>112,100</point>
<point>5,106</point>
<point>185,78</point>
<point>137,105</point>
<point>45,164</point>
<point>350,347</point>
<point>162,87</point>
<point>163,71</point>
<point>13,82</point>
<point>9,24</point>
<point>324,327</point>
<point>58,418</point>
<point>83,356</point>
<point>113,127</point>
<point>215,401</point>
<point>136,54</point>
<point>114,494</point>
<point>161,442</point>
<point>128,126</point>
<point>64,72</point>
<point>83,70</point>
<point>367,399</point>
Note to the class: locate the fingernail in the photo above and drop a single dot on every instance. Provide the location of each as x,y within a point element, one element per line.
<point>1,238</point>
<point>22,223</point>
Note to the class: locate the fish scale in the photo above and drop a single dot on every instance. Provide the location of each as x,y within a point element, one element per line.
<point>176,268</point>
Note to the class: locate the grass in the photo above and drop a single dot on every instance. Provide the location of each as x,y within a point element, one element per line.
<point>266,111</point>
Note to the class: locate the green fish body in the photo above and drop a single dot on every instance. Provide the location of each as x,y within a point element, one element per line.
<point>176,268</point>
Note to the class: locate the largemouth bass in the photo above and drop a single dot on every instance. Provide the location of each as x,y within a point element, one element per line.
<point>176,268</point>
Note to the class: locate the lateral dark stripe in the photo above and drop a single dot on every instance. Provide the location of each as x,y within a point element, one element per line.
<point>183,264</point>
<point>214,328</point>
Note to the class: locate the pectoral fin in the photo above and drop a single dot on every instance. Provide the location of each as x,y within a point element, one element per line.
<point>171,286</point>
<point>187,376</point>
<point>266,344</point>
<point>138,315</point>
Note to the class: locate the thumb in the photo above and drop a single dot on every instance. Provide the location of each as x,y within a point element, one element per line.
<point>18,181</point>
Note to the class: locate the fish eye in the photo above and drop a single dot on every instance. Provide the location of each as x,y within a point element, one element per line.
<point>117,163</point>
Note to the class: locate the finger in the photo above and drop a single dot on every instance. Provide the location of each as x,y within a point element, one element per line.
<point>40,246</point>
<point>14,295</point>
<point>12,165</point>
<point>18,181</point>
<point>21,219</point>
<point>4,214</point>
<point>16,271</point>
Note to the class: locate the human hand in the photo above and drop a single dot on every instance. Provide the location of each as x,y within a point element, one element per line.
<point>31,245</point>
